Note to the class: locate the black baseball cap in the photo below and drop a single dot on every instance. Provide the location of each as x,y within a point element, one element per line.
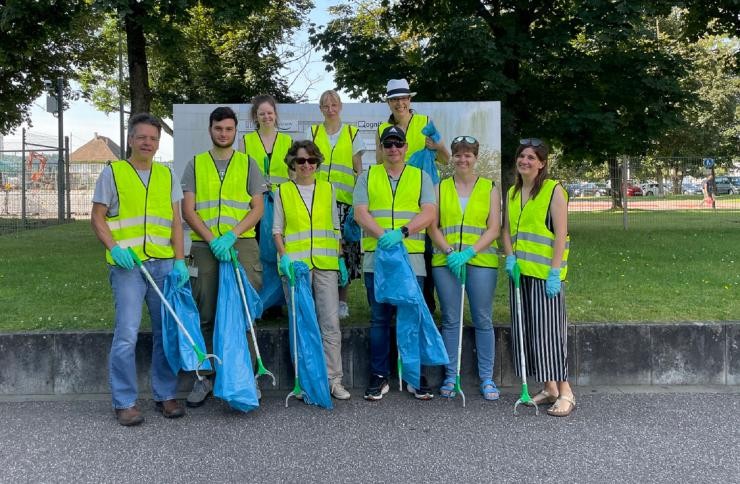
<point>393,132</point>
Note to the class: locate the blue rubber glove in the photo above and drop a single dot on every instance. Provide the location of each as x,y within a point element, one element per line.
<point>510,263</point>
<point>343,273</point>
<point>454,263</point>
<point>182,272</point>
<point>122,258</point>
<point>389,239</point>
<point>220,246</point>
<point>552,286</point>
<point>286,269</point>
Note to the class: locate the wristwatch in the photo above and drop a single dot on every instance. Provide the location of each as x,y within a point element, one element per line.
<point>405,231</point>
<point>449,251</point>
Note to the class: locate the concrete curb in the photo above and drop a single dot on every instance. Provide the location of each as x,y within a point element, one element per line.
<point>684,353</point>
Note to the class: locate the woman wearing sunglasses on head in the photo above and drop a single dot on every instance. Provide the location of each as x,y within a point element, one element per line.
<point>342,149</point>
<point>535,238</point>
<point>306,228</point>
<point>464,235</point>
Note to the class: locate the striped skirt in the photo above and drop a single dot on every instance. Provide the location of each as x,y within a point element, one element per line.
<point>545,328</point>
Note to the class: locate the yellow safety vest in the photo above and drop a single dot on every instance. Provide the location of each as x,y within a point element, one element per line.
<point>463,229</point>
<point>394,210</point>
<point>337,167</point>
<point>222,204</point>
<point>414,138</point>
<point>310,237</point>
<point>275,169</point>
<point>144,220</point>
<point>531,240</point>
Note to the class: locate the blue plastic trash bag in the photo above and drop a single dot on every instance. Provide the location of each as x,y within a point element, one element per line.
<point>419,342</point>
<point>424,158</point>
<point>177,348</point>
<point>234,377</point>
<point>351,231</point>
<point>271,293</point>
<point>312,374</point>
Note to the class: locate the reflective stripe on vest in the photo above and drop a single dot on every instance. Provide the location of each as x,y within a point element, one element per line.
<point>394,210</point>
<point>463,229</point>
<point>310,237</point>
<point>337,167</point>
<point>144,220</point>
<point>274,169</point>
<point>531,240</point>
<point>414,137</point>
<point>222,204</point>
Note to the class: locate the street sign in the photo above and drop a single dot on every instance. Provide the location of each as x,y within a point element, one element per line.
<point>708,162</point>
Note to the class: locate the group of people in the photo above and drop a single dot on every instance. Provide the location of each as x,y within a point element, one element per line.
<point>318,185</point>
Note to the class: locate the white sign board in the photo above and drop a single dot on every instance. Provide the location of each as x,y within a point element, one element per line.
<point>481,120</point>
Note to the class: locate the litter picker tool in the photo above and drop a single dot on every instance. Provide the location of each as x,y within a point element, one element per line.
<point>296,392</point>
<point>202,356</point>
<point>458,388</point>
<point>524,398</point>
<point>261,370</point>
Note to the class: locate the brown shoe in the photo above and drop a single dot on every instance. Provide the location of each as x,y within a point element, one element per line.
<point>129,416</point>
<point>171,408</point>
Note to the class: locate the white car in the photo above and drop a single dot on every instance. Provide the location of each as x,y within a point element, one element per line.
<point>653,189</point>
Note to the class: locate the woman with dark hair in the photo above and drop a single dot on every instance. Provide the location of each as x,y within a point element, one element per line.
<point>266,145</point>
<point>306,228</point>
<point>535,238</point>
<point>468,224</point>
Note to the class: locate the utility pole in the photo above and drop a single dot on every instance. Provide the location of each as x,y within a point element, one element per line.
<point>120,94</point>
<point>60,161</point>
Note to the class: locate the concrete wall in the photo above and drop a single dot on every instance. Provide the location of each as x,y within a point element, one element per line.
<point>599,354</point>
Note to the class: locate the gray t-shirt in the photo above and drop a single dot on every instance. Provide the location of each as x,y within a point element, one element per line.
<point>106,193</point>
<point>306,191</point>
<point>360,197</point>
<point>256,182</point>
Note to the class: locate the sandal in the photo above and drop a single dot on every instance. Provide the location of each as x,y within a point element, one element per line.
<point>489,391</point>
<point>557,411</point>
<point>544,397</point>
<point>447,390</point>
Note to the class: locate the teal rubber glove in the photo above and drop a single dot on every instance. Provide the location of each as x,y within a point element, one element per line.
<point>343,273</point>
<point>122,258</point>
<point>454,262</point>
<point>220,246</point>
<point>389,239</point>
<point>510,263</point>
<point>286,269</point>
<point>182,272</point>
<point>552,285</point>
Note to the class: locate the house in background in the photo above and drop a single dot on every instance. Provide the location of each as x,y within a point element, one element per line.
<point>87,161</point>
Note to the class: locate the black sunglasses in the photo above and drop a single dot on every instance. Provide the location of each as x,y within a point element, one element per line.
<point>467,139</point>
<point>393,144</point>
<point>303,161</point>
<point>531,142</point>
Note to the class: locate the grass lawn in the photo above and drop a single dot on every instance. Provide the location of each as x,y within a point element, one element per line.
<point>669,266</point>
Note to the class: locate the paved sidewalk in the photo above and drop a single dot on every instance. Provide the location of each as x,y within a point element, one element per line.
<point>640,436</point>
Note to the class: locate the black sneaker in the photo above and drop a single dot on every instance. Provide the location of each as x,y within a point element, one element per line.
<point>377,388</point>
<point>423,392</point>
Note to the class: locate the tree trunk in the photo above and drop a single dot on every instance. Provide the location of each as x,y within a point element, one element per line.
<point>138,72</point>
<point>615,175</point>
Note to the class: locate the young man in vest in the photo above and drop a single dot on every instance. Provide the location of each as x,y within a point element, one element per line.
<point>394,203</point>
<point>223,202</point>
<point>136,205</point>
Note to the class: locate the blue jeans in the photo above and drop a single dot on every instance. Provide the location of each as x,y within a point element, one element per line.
<point>130,291</point>
<point>480,287</point>
<point>381,315</point>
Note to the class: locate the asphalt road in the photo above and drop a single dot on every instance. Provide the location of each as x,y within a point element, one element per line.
<point>634,437</point>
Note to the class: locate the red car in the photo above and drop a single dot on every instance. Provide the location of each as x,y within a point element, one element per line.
<point>634,191</point>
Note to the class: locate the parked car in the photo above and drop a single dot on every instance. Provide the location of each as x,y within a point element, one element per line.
<point>651,189</point>
<point>724,186</point>
<point>634,191</point>
<point>691,189</point>
<point>735,180</point>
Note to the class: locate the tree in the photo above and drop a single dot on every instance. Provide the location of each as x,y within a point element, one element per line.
<point>591,77</point>
<point>39,40</point>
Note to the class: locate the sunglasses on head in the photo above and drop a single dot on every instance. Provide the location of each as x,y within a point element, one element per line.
<point>467,139</point>
<point>393,144</point>
<point>303,161</point>
<point>531,142</point>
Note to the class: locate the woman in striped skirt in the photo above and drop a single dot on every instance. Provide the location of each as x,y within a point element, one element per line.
<point>535,237</point>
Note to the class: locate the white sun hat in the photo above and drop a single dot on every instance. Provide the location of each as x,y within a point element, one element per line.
<point>398,88</point>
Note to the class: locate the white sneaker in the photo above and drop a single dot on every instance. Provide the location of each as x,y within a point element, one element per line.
<point>339,392</point>
<point>343,310</point>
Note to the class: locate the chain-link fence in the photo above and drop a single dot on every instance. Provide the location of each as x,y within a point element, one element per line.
<point>629,185</point>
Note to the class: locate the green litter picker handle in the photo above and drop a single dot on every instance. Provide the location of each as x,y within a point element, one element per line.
<point>202,356</point>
